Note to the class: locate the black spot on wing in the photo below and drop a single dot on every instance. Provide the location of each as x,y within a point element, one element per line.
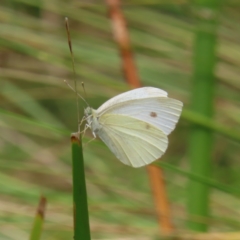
<point>153,114</point>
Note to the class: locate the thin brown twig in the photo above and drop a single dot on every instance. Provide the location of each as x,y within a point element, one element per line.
<point>121,36</point>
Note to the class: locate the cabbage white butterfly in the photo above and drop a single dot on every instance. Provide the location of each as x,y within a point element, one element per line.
<point>135,124</point>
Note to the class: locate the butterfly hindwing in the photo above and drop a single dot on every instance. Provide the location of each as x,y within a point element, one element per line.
<point>134,142</point>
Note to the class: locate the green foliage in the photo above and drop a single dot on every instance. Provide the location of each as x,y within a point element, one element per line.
<point>38,112</point>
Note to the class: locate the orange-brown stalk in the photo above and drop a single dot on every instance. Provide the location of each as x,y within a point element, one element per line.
<point>121,36</point>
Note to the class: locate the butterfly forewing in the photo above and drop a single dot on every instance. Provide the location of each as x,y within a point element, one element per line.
<point>139,93</point>
<point>162,112</point>
<point>134,142</point>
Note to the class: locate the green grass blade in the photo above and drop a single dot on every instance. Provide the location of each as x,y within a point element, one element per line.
<point>81,219</point>
<point>187,114</point>
<point>31,124</point>
<point>27,104</point>
<point>39,220</point>
<point>210,124</point>
<point>201,179</point>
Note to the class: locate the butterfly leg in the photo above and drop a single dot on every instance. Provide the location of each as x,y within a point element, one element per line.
<point>94,137</point>
<point>80,123</point>
<point>84,130</point>
<point>88,142</point>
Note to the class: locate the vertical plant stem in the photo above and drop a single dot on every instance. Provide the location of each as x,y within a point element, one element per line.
<point>80,206</point>
<point>121,35</point>
<point>161,199</point>
<point>39,220</point>
<point>202,102</point>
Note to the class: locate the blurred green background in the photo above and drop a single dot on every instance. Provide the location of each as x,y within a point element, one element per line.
<point>38,113</point>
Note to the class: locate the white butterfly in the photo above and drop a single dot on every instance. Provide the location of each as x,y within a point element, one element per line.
<point>135,124</point>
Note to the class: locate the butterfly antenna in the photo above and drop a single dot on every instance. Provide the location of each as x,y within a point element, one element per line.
<point>69,85</point>
<point>74,71</point>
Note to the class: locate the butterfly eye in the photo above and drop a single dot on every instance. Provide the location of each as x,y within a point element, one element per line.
<point>153,114</point>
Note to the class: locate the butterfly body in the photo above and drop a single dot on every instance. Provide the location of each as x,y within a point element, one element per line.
<point>92,120</point>
<point>135,124</point>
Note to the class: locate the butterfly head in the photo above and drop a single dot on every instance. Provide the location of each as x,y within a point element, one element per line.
<point>88,111</point>
<point>90,114</point>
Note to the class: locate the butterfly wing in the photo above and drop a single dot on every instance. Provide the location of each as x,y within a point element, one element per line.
<point>138,93</point>
<point>134,142</point>
<point>162,112</point>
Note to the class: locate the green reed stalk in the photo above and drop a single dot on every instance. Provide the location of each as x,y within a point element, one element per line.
<point>200,147</point>
<point>80,206</point>
<point>39,220</point>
